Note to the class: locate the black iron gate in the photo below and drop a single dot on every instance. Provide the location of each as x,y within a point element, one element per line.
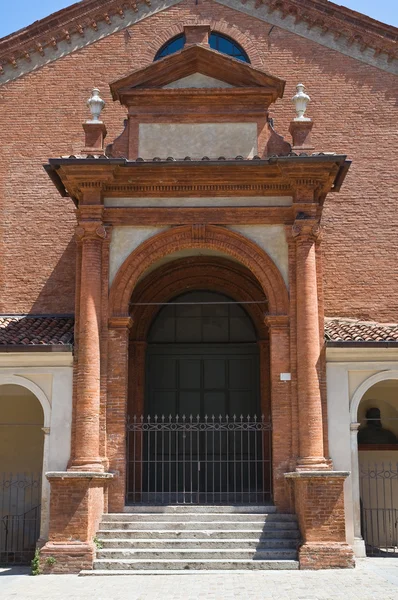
<point>379,508</point>
<point>194,460</point>
<point>20,496</point>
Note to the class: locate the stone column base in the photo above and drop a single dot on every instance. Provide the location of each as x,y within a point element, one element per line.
<point>58,558</point>
<point>319,506</point>
<point>332,555</point>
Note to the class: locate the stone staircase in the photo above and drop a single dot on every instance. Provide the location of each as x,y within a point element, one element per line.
<point>159,539</point>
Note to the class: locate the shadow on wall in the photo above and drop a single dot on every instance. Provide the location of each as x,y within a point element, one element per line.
<point>57,295</point>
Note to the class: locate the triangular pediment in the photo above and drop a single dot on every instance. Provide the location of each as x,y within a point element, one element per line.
<point>84,23</point>
<point>194,60</point>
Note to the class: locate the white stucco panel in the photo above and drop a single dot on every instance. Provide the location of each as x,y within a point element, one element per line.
<point>197,140</point>
<point>197,80</point>
<point>201,201</point>
<point>124,240</point>
<point>272,239</point>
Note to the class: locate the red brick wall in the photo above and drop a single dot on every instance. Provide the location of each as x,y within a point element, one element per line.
<point>353,106</point>
<point>319,505</point>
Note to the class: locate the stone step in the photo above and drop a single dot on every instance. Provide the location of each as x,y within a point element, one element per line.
<point>189,572</point>
<point>197,554</point>
<point>195,524</point>
<point>197,516</point>
<point>113,567</point>
<point>198,508</point>
<point>189,534</point>
<point>211,544</point>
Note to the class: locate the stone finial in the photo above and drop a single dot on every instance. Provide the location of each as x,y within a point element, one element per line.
<point>95,104</point>
<point>301,100</point>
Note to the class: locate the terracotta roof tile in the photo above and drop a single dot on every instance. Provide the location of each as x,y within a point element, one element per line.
<point>54,330</point>
<point>36,330</point>
<point>353,330</point>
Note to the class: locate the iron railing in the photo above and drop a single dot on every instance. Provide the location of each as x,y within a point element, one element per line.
<point>20,496</point>
<point>379,508</point>
<point>198,460</point>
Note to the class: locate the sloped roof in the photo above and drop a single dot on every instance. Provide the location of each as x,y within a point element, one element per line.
<point>27,330</point>
<point>88,16</point>
<point>353,330</point>
<point>35,330</point>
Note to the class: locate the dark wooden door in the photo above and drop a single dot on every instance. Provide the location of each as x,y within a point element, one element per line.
<point>200,379</point>
<point>212,384</point>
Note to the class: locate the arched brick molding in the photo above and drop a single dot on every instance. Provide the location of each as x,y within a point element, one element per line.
<point>211,237</point>
<point>199,272</point>
<point>182,275</point>
<point>224,27</point>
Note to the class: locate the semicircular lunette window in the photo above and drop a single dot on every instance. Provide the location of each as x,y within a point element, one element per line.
<point>202,317</point>
<point>217,41</point>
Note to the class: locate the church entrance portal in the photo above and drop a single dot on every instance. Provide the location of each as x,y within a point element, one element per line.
<point>202,438</point>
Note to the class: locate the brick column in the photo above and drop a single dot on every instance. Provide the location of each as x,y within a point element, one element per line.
<point>116,410</point>
<point>281,408</point>
<point>87,416</point>
<point>305,232</point>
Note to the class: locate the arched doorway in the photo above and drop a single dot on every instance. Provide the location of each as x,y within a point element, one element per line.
<point>378,467</point>
<point>21,451</point>
<point>202,437</point>
<point>202,359</point>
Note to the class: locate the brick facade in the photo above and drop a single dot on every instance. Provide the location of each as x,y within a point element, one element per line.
<point>333,277</point>
<point>351,101</point>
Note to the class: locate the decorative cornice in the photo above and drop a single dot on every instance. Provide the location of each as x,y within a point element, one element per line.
<point>122,178</point>
<point>69,30</point>
<point>330,25</point>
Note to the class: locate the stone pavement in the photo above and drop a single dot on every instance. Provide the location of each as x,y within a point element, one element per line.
<point>373,579</point>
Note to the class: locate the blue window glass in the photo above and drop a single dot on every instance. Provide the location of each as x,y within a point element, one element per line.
<point>173,45</point>
<point>225,45</point>
<point>217,41</point>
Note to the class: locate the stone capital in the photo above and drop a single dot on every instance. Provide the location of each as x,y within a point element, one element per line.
<point>354,427</point>
<point>276,321</point>
<point>306,230</point>
<point>92,230</point>
<point>120,322</point>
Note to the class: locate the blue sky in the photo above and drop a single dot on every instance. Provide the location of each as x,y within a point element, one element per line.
<point>24,12</point>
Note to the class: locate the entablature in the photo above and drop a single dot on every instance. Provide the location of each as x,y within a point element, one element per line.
<point>301,181</point>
